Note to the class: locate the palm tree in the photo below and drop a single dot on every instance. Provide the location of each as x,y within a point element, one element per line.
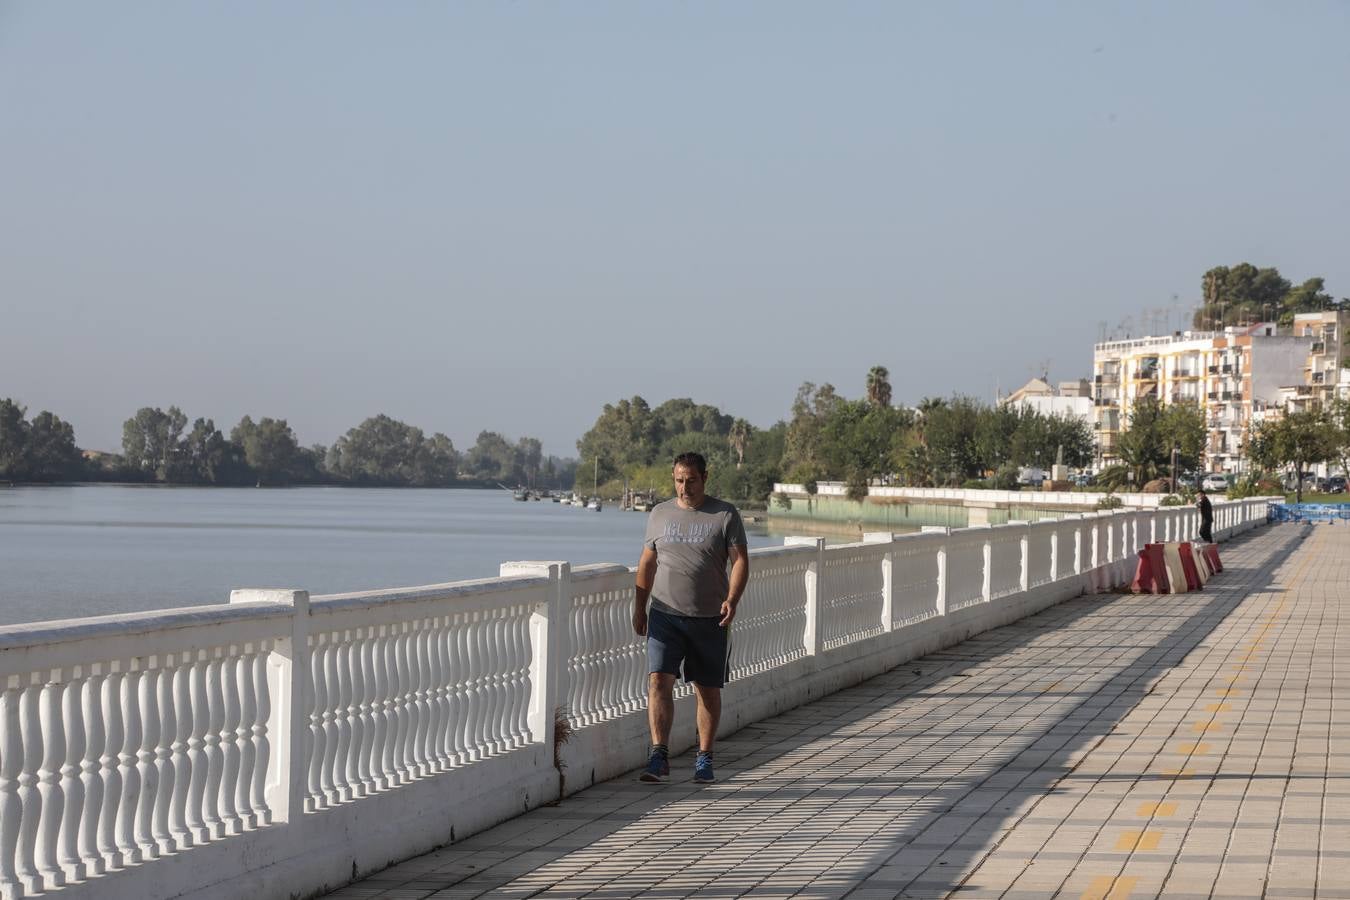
<point>879,386</point>
<point>739,438</point>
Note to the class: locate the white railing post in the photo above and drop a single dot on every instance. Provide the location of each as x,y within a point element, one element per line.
<point>815,589</point>
<point>987,593</point>
<point>941,566</point>
<point>292,692</point>
<point>548,639</point>
<point>887,577</point>
<point>1024,540</point>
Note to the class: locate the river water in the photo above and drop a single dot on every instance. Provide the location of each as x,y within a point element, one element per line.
<point>90,550</point>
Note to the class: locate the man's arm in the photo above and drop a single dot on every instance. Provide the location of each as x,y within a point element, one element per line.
<point>646,575</point>
<point>740,575</point>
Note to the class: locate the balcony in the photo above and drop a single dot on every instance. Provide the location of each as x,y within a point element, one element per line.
<point>1146,375</point>
<point>1213,395</point>
<point>1214,370</point>
<point>1318,347</point>
<point>1318,377</point>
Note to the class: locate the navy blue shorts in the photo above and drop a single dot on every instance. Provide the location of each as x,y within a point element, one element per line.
<point>700,644</point>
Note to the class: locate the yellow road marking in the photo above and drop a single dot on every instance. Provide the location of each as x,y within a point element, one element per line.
<point>1197,748</point>
<point>1202,727</point>
<point>1104,887</point>
<point>1160,809</point>
<point>1139,840</point>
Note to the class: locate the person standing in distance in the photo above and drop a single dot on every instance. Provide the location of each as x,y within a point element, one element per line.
<point>1206,517</point>
<point>683,572</point>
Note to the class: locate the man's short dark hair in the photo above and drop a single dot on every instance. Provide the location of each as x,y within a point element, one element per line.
<point>694,461</point>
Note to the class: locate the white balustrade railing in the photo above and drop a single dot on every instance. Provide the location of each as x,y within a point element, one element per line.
<point>974,495</point>
<point>128,742</point>
<point>851,604</point>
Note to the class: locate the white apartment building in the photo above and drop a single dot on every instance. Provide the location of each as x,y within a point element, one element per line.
<point>1229,374</point>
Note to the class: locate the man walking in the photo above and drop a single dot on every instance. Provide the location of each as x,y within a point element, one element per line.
<point>1206,517</point>
<point>683,571</point>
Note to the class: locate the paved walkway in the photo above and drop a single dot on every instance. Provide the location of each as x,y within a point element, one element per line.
<point>1110,747</point>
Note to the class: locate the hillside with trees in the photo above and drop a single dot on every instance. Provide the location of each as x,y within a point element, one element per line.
<point>1244,294</point>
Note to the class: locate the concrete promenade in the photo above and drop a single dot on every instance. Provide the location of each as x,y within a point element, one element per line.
<point>1110,747</point>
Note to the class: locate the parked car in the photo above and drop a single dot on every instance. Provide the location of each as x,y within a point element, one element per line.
<point>1336,484</point>
<point>1214,481</point>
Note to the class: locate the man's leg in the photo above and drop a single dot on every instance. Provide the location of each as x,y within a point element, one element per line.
<point>709,714</point>
<point>661,707</point>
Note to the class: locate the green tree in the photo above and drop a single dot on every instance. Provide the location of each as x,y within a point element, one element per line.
<point>1299,440</point>
<point>51,452</point>
<point>270,448</point>
<point>625,432</point>
<point>151,442</point>
<point>1153,430</point>
<point>491,458</point>
<point>13,440</point>
<point>1245,293</point>
<point>1339,416</point>
<point>682,415</point>
<point>529,459</point>
<point>879,386</point>
<point>950,432</point>
<point>739,439</point>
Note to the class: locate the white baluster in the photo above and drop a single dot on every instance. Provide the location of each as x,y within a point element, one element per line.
<point>328,719</point>
<point>340,700</point>
<point>457,711</point>
<point>111,702</point>
<point>400,708</point>
<point>49,785</point>
<point>164,771</point>
<point>477,698</point>
<point>126,767</point>
<point>72,789</point>
<point>243,739</point>
<point>182,762</point>
<point>383,708</point>
<point>436,729</point>
<point>492,693</point>
<point>198,767</point>
<point>11,808</point>
<point>262,748</point>
<point>215,760</point>
<point>503,677</point>
<point>147,714</point>
<point>421,712</point>
<point>30,798</point>
<point>351,652</point>
<point>229,743</point>
<point>524,656</point>
<point>367,756</point>
<point>91,774</point>
<point>316,788</point>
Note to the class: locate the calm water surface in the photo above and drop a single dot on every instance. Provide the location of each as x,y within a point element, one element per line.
<point>91,550</point>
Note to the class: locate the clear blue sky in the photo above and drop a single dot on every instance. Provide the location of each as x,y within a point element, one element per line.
<point>504,215</point>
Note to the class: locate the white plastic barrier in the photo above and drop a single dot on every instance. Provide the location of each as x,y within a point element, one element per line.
<point>281,744</point>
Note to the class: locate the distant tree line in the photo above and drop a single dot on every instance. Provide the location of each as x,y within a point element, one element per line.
<point>158,446</point>
<point>951,441</point>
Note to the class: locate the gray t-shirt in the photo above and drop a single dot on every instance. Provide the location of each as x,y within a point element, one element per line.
<point>692,549</point>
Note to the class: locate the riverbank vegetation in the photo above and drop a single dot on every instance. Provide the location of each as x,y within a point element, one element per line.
<point>158,447</point>
<point>942,441</point>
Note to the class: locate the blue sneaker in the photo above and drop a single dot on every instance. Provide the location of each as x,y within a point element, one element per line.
<point>658,768</point>
<point>703,769</point>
